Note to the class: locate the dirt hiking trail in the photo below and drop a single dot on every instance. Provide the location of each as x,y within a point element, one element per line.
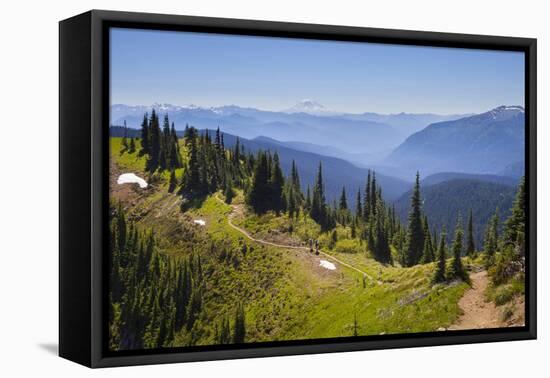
<point>238,210</point>
<point>477,313</point>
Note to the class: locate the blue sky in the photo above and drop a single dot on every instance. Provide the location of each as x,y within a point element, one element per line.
<point>184,68</point>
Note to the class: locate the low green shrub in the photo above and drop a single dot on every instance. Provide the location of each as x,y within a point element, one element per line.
<point>347,246</point>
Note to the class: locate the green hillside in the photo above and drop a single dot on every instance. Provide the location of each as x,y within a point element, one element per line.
<point>216,250</point>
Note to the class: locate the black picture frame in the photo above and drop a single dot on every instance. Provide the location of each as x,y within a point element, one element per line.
<point>83,181</point>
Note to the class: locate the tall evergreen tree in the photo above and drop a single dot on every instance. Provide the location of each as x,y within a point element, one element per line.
<point>228,192</point>
<point>470,244</point>
<point>165,144</point>
<point>440,275</point>
<point>428,255</point>
<point>154,142</point>
<point>308,199</point>
<point>367,201</point>
<point>239,334</point>
<point>514,227</point>
<point>258,196</point>
<point>173,181</point>
<point>191,177</point>
<point>382,252</point>
<point>218,141</point>
<point>125,138</point>
<point>457,270</point>
<point>373,193</point>
<point>415,231</point>
<point>318,205</point>
<point>132,147</point>
<point>343,204</point>
<point>291,206</point>
<point>145,135</point>
<point>358,205</point>
<point>295,178</point>
<point>174,158</point>
<point>490,245</point>
<point>277,182</point>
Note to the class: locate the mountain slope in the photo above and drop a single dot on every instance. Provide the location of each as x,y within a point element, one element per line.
<point>514,170</point>
<point>484,143</point>
<point>406,123</point>
<point>447,176</point>
<point>443,201</point>
<point>358,159</point>
<point>337,172</point>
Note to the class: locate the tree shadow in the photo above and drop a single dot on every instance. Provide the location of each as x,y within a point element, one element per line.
<point>51,348</point>
<point>194,202</point>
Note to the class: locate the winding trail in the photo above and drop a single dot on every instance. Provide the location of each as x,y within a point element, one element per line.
<point>477,313</point>
<point>265,242</point>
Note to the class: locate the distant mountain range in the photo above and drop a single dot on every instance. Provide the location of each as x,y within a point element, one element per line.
<point>368,136</point>
<point>443,201</point>
<point>485,143</point>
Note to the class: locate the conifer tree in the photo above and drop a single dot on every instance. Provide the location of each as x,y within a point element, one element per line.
<point>373,193</point>
<point>491,239</point>
<point>154,142</point>
<point>239,334</point>
<point>333,238</point>
<point>367,201</point>
<point>514,226</point>
<point>428,255</point>
<point>318,206</point>
<point>440,275</point>
<point>308,199</point>
<point>191,177</point>
<point>132,147</point>
<point>173,181</point>
<point>358,205</point>
<point>291,204</point>
<point>218,141</point>
<point>457,270</point>
<point>165,144</point>
<point>382,252</point>
<point>470,244</point>
<point>295,178</point>
<point>228,192</point>
<point>121,232</point>
<point>237,151</point>
<point>258,196</point>
<point>276,182</point>
<point>343,204</point>
<point>174,135</point>
<point>145,135</point>
<point>125,139</point>
<point>415,231</point>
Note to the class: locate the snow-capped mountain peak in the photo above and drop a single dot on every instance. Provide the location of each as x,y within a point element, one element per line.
<point>505,111</point>
<point>307,106</point>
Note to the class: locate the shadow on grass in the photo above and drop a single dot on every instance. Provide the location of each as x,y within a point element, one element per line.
<point>194,202</point>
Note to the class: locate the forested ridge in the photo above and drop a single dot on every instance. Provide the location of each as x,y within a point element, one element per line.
<point>161,300</point>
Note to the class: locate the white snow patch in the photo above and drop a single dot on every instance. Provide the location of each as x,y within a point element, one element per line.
<point>327,265</point>
<point>131,178</point>
<point>200,222</point>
